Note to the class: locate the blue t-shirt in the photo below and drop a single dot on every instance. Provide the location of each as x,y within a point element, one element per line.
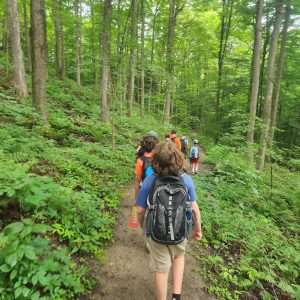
<point>148,183</point>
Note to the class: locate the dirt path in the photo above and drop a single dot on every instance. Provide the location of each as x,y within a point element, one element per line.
<point>125,274</point>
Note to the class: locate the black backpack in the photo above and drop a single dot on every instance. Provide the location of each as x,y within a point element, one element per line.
<point>169,219</point>
<point>183,145</point>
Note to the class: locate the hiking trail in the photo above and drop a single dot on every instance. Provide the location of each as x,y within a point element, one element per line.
<point>126,274</point>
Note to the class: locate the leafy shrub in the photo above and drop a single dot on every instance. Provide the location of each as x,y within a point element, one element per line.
<point>250,227</point>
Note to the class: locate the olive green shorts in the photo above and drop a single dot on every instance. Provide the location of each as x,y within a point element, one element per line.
<point>162,256</point>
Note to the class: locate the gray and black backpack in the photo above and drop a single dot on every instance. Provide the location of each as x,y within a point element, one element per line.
<point>169,218</point>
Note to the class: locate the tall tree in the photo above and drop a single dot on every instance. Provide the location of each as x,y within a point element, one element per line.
<point>227,8</point>
<point>255,77</point>
<point>27,38</point>
<point>133,54</point>
<point>174,8</point>
<point>155,14</point>
<point>142,58</point>
<point>264,138</point>
<point>276,91</point>
<point>39,56</point>
<point>78,40</point>
<point>17,53</point>
<point>59,63</point>
<point>105,61</point>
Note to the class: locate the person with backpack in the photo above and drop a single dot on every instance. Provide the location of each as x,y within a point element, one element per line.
<point>170,198</point>
<point>184,144</point>
<point>143,162</point>
<point>139,151</point>
<point>194,156</point>
<point>175,139</point>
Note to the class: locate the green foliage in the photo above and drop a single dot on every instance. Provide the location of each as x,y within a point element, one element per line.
<point>31,268</point>
<point>250,227</point>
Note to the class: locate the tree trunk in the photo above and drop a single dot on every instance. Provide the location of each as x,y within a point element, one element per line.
<point>93,54</point>
<point>58,39</point>
<point>38,56</point>
<point>105,61</point>
<point>27,38</point>
<point>133,52</point>
<point>224,34</point>
<point>269,87</point>
<point>142,58</point>
<point>170,60</point>
<point>78,40</point>
<point>255,78</point>
<point>262,67</point>
<point>152,55</point>
<point>17,53</point>
<point>279,70</point>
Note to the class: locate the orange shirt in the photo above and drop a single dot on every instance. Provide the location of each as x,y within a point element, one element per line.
<point>178,143</point>
<point>139,164</point>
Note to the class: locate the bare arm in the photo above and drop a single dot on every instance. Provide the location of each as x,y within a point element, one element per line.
<point>197,234</point>
<point>138,179</point>
<point>141,215</point>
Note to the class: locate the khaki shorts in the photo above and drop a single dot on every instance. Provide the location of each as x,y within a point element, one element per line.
<point>162,256</point>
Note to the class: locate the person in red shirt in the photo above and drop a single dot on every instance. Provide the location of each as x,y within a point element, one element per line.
<point>148,144</point>
<point>175,139</point>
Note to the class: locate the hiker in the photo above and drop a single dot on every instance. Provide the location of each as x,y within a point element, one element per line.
<point>142,167</point>
<point>175,139</point>
<point>162,192</point>
<point>194,156</point>
<point>184,144</point>
<point>139,151</point>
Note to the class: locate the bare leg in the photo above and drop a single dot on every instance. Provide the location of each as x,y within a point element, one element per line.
<point>178,268</point>
<point>161,285</point>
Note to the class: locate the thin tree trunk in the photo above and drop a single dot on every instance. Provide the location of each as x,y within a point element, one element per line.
<point>5,34</point>
<point>38,56</point>
<point>262,67</point>
<point>279,70</point>
<point>133,53</point>
<point>17,53</point>
<point>142,58</point>
<point>173,12</point>
<point>58,39</point>
<point>224,34</point>
<point>78,40</point>
<point>152,55</point>
<point>255,78</point>
<point>269,87</point>
<point>27,38</point>
<point>93,54</point>
<point>105,62</point>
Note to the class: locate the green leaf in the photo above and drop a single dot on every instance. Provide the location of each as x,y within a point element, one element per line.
<point>29,253</point>
<point>13,228</point>
<point>18,292</point>
<point>25,291</point>
<point>12,259</point>
<point>13,274</point>
<point>35,296</point>
<point>5,268</point>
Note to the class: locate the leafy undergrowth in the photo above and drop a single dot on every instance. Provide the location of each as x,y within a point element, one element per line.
<point>251,229</point>
<point>60,189</point>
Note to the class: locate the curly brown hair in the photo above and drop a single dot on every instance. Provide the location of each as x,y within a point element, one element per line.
<point>149,142</point>
<point>167,159</point>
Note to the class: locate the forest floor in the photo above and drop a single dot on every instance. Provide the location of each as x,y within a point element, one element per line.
<point>125,273</point>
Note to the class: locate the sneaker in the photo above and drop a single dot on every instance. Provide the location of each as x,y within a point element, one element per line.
<point>193,173</point>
